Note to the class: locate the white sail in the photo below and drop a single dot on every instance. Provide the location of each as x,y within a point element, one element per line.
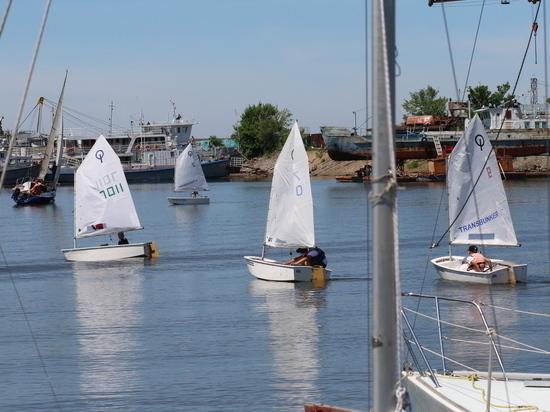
<point>290,216</point>
<point>103,203</point>
<point>478,209</point>
<point>188,173</point>
<point>54,132</point>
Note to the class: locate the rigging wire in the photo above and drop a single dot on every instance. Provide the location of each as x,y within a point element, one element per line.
<point>30,328</point>
<point>5,17</point>
<point>473,50</point>
<point>450,51</point>
<point>531,35</point>
<point>24,98</point>
<point>499,130</point>
<point>2,175</point>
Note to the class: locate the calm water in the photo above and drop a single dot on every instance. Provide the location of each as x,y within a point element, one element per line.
<point>193,331</point>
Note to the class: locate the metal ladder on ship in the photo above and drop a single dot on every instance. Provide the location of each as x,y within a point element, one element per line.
<point>437,144</point>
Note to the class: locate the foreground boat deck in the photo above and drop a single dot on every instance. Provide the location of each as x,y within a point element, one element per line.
<point>461,393</point>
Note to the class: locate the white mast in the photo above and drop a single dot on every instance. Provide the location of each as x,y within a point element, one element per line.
<point>53,133</point>
<point>384,335</point>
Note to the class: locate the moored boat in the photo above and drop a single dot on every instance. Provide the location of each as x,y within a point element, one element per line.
<point>37,190</point>
<point>523,133</point>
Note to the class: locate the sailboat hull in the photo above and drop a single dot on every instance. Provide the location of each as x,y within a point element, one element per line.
<point>448,268</point>
<point>111,252</point>
<point>30,199</point>
<point>189,200</point>
<point>268,269</point>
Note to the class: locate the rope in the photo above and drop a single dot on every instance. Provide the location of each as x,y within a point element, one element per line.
<point>33,62</point>
<point>473,49</point>
<point>473,377</point>
<point>29,326</point>
<point>450,50</point>
<point>390,184</point>
<point>2,175</point>
<point>8,6</point>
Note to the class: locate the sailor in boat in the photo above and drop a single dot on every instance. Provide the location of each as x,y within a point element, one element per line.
<point>51,176</point>
<point>475,261</point>
<point>121,239</point>
<point>313,256</point>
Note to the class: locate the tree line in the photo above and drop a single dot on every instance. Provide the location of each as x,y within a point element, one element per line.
<point>263,128</point>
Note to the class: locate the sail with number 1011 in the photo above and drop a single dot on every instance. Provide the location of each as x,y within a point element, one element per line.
<point>290,222</point>
<point>478,210</point>
<point>103,205</point>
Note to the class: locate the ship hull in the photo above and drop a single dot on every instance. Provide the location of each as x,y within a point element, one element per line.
<point>343,144</point>
<point>212,170</point>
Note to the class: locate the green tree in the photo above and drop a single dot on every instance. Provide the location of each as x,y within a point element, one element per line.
<point>425,102</point>
<point>262,129</point>
<point>480,96</point>
<point>215,141</point>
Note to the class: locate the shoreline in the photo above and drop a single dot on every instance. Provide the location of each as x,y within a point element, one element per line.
<point>320,165</point>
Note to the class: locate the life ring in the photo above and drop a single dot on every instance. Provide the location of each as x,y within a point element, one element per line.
<point>424,139</point>
<point>138,148</point>
<point>147,148</point>
<point>157,147</point>
<point>70,149</point>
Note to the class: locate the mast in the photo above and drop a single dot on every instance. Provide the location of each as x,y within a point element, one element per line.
<point>59,157</point>
<point>53,133</point>
<point>384,335</point>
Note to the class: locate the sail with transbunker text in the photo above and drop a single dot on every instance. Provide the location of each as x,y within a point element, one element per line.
<point>478,210</point>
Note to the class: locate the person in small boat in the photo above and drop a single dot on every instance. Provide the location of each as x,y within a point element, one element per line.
<point>121,239</point>
<point>312,256</point>
<point>38,187</point>
<point>475,261</point>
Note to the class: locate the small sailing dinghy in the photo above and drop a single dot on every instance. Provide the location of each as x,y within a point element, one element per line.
<point>39,190</point>
<point>290,217</point>
<point>189,176</point>
<point>478,210</point>
<point>103,205</point>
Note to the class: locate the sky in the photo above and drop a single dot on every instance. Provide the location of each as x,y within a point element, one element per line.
<point>214,58</point>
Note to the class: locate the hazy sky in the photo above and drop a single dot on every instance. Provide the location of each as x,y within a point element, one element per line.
<point>214,58</point>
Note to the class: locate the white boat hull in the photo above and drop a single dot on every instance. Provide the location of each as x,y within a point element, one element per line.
<point>448,268</point>
<point>268,269</point>
<point>203,200</point>
<point>457,393</point>
<point>111,252</point>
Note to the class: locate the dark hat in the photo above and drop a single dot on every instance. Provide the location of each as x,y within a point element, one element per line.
<point>301,250</point>
<point>473,249</point>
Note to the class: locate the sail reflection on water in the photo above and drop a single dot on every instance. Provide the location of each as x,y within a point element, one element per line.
<point>108,302</point>
<point>291,310</point>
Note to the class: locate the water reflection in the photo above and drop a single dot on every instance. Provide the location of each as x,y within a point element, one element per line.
<point>294,333</point>
<point>108,298</point>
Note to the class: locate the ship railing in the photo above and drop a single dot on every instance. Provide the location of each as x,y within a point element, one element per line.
<point>461,333</point>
